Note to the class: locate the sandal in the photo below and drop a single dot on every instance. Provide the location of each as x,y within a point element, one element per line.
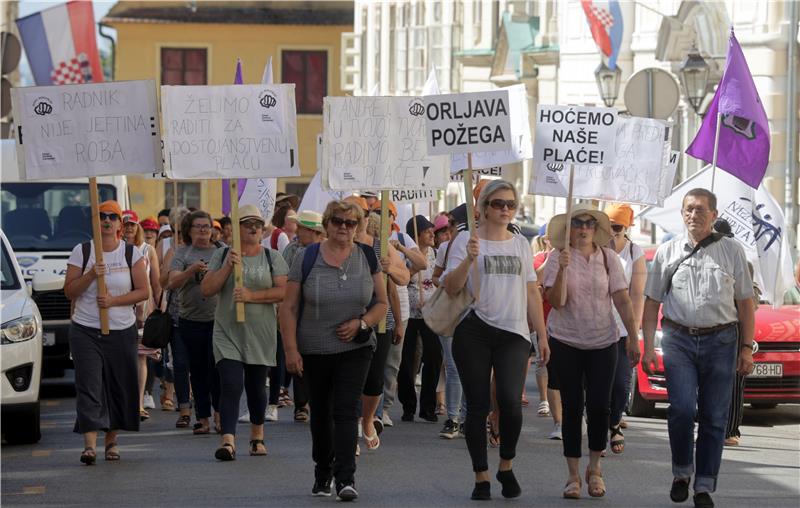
<point>254,450</point>
<point>167,405</point>
<point>199,429</point>
<point>373,442</point>
<point>544,409</point>
<point>143,415</point>
<point>572,490</point>
<point>183,421</point>
<point>617,440</point>
<point>88,456</point>
<point>225,453</point>
<point>595,484</point>
<point>111,455</point>
<point>301,414</point>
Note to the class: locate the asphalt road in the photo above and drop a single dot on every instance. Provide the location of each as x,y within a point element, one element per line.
<point>165,466</point>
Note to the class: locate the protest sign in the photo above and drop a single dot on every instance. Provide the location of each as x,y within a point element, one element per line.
<point>575,135</point>
<point>90,129</point>
<point>230,131</point>
<point>316,198</point>
<point>468,122</point>
<point>377,143</point>
<point>490,173</point>
<point>756,220</point>
<point>640,174</point>
<point>412,196</point>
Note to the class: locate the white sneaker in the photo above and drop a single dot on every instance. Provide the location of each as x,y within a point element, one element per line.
<point>272,413</point>
<point>148,402</point>
<point>245,418</point>
<point>386,419</point>
<point>360,429</point>
<point>556,434</point>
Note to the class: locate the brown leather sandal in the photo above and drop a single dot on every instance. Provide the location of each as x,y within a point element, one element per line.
<point>112,452</point>
<point>572,490</point>
<point>595,484</point>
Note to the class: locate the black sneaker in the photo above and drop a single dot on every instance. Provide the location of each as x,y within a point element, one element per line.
<point>346,492</point>
<point>407,417</point>
<point>680,490</point>
<point>703,500</point>
<point>482,491</point>
<point>321,488</point>
<point>430,418</point>
<point>450,430</point>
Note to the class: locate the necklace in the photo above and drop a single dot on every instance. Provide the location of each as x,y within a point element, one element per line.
<point>345,266</point>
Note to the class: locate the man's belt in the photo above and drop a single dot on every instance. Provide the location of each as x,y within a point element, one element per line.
<point>696,331</point>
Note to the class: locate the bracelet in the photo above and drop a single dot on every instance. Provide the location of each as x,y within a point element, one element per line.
<point>749,346</point>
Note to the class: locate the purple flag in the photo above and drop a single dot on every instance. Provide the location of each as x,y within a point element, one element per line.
<point>226,195</point>
<point>744,134</point>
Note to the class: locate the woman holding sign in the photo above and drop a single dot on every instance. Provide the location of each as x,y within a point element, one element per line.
<point>106,374</point>
<point>494,335</point>
<point>584,335</point>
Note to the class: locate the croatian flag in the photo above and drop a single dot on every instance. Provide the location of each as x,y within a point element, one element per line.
<point>605,22</point>
<point>60,44</point>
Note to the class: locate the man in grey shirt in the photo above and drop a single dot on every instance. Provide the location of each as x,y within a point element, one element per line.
<point>705,287</point>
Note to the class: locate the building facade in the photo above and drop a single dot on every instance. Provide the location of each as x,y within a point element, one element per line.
<point>197,43</point>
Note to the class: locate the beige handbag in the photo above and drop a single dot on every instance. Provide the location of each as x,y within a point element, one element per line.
<point>443,312</point>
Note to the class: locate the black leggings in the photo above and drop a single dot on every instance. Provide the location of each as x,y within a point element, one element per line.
<point>233,376</point>
<point>590,371</point>
<point>374,383</point>
<point>479,348</point>
<point>431,365</point>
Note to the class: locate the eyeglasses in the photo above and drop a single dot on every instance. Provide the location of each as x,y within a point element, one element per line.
<point>339,222</point>
<point>617,228</point>
<point>110,216</point>
<point>252,224</point>
<point>201,227</point>
<point>697,210</point>
<point>588,223</point>
<point>499,204</point>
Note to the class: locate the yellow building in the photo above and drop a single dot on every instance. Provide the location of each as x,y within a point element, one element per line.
<point>198,42</point>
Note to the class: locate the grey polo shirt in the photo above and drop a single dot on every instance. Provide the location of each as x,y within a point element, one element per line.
<point>705,286</point>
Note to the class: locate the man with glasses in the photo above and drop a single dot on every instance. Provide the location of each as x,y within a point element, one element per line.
<point>704,284</point>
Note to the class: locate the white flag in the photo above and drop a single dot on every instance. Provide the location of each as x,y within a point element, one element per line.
<point>316,198</point>
<point>756,221</point>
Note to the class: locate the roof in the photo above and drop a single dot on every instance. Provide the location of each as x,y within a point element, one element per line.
<point>232,12</point>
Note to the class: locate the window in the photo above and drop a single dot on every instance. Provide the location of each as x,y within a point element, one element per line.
<point>308,70</point>
<point>183,66</point>
<point>188,195</point>
<point>298,189</point>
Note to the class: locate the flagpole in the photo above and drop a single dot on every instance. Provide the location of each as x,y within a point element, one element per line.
<point>716,149</point>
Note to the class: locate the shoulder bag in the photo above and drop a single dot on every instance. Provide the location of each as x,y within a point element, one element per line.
<point>443,312</point>
<point>157,331</point>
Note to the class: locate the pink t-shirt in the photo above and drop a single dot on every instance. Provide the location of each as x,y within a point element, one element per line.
<point>586,321</point>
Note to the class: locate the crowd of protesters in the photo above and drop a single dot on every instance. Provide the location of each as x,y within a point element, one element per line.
<point>337,320</point>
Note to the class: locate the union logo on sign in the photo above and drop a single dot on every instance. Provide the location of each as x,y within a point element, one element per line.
<point>416,108</point>
<point>42,106</point>
<point>267,99</point>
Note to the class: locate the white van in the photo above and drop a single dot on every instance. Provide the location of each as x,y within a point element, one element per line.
<point>43,220</point>
<point>20,353</point>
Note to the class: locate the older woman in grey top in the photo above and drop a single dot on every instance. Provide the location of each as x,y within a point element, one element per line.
<point>332,344</point>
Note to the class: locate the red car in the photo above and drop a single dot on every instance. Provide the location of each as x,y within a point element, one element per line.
<point>775,380</point>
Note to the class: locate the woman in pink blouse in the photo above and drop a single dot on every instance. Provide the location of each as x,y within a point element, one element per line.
<point>584,334</point>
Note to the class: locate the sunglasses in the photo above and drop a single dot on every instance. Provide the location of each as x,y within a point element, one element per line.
<point>251,224</point>
<point>618,228</point>
<point>110,216</point>
<point>339,222</point>
<point>499,204</point>
<point>588,223</point>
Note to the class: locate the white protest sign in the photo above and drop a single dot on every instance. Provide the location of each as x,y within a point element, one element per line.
<point>413,196</point>
<point>468,122</point>
<point>316,198</point>
<point>260,192</point>
<point>575,135</point>
<point>377,143</point>
<point>641,172</point>
<point>90,129</point>
<point>230,131</point>
<point>490,173</point>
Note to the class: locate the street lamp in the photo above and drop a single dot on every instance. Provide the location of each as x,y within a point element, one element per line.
<point>694,78</point>
<point>608,83</point>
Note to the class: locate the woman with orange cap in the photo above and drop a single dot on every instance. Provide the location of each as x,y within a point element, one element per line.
<point>106,377</point>
<point>635,270</point>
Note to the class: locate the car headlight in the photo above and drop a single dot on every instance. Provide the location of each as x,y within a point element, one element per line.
<point>657,340</point>
<point>19,330</point>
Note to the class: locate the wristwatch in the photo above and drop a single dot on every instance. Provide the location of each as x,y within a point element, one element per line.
<point>363,325</point>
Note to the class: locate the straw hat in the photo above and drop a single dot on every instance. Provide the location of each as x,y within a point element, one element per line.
<point>309,220</point>
<point>282,199</point>
<point>248,212</point>
<point>557,227</point>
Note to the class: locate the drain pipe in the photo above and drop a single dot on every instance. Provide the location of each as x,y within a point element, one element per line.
<point>104,35</point>
<point>792,176</point>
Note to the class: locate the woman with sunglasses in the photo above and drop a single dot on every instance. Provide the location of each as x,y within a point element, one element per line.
<point>635,268</point>
<point>106,375</point>
<point>584,334</point>
<point>496,266</point>
<point>331,285</point>
<point>244,351</point>
<point>196,313</point>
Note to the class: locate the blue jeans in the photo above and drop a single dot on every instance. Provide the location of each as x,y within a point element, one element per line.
<point>453,393</point>
<point>700,371</point>
<point>622,383</point>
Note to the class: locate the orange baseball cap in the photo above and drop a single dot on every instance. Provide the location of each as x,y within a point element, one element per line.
<point>620,213</point>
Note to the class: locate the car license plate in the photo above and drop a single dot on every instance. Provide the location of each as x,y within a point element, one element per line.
<point>49,339</point>
<point>767,370</point>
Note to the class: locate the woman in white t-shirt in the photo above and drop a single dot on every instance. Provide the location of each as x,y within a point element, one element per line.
<point>106,377</point>
<point>497,266</point>
<point>634,267</point>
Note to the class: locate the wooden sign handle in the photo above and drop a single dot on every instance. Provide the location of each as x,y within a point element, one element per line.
<point>566,238</point>
<point>473,230</point>
<point>98,249</point>
<point>416,240</point>
<point>237,243</point>
<point>384,239</point>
